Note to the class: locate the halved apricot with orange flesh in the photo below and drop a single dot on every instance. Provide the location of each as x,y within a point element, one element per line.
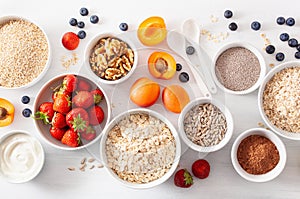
<point>152,31</point>
<point>162,65</point>
<point>175,98</point>
<point>144,92</point>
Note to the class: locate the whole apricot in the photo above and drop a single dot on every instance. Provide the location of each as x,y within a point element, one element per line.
<point>161,65</point>
<point>144,92</point>
<point>175,98</point>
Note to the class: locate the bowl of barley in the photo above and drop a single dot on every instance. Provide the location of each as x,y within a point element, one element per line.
<point>279,100</point>
<point>140,148</point>
<point>25,52</point>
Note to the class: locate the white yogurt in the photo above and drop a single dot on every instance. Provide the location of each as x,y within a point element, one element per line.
<point>21,157</point>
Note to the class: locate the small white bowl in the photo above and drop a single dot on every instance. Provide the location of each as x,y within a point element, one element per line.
<point>116,121</point>
<point>286,134</point>
<point>45,95</point>
<point>269,175</point>
<point>256,53</point>
<point>92,43</point>
<point>228,118</point>
<point>14,148</point>
<point>6,19</point>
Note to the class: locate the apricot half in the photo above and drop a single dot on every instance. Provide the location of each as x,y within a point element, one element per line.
<point>162,65</point>
<point>144,92</point>
<point>175,98</point>
<point>152,31</point>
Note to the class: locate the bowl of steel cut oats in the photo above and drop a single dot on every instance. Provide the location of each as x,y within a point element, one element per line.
<point>110,58</point>
<point>279,100</point>
<point>140,148</point>
<point>205,125</point>
<point>24,52</point>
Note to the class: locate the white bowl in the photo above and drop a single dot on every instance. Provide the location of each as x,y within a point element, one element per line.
<point>6,19</point>
<point>15,147</point>
<point>269,175</point>
<point>286,134</point>
<point>256,53</point>
<point>228,118</point>
<point>116,121</point>
<point>44,95</point>
<point>89,48</point>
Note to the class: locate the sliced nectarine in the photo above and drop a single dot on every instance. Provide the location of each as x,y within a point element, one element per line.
<point>162,65</point>
<point>175,98</point>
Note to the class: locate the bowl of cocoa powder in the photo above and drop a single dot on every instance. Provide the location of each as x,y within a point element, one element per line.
<point>258,155</point>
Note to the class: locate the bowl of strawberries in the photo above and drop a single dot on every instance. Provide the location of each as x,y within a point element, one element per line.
<point>70,111</point>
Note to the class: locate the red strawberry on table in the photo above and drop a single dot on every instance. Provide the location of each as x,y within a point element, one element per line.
<point>78,119</point>
<point>57,133</point>
<point>201,168</point>
<point>71,138</point>
<point>70,40</point>
<point>59,120</point>
<point>183,178</point>
<point>45,112</point>
<point>96,115</point>
<point>83,85</point>
<point>70,83</point>
<point>83,99</point>
<point>89,133</point>
<point>97,95</point>
<point>62,104</point>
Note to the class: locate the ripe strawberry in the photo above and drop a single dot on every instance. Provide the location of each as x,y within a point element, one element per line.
<point>70,83</point>
<point>89,133</point>
<point>71,138</point>
<point>183,178</point>
<point>45,112</point>
<point>70,40</point>
<point>62,104</point>
<point>78,119</point>
<point>60,91</point>
<point>201,168</point>
<point>98,95</point>
<point>96,115</point>
<point>59,120</point>
<point>57,133</point>
<point>83,99</point>
<point>83,85</point>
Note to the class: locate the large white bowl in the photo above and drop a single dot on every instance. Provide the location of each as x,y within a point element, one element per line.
<point>256,53</point>
<point>269,175</point>
<point>6,19</point>
<point>44,95</point>
<point>286,134</point>
<point>228,118</point>
<point>116,121</point>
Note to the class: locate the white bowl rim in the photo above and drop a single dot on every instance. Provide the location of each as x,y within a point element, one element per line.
<point>271,73</point>
<point>91,45</point>
<point>48,63</point>
<point>91,142</point>
<point>255,51</point>
<point>174,133</point>
<point>272,137</point>
<point>223,109</point>
<point>42,161</point>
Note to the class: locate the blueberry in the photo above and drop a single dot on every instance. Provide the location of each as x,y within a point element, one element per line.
<point>297,55</point>
<point>25,99</point>
<point>270,49</point>
<point>293,42</point>
<point>178,67</point>
<point>81,34</point>
<point>233,26</point>
<point>80,24</point>
<point>290,21</point>
<point>298,47</point>
<point>280,20</point>
<point>94,19</point>
<point>255,25</point>
<point>280,56</point>
<point>190,50</point>
<point>84,11</point>
<point>284,37</point>
<point>184,77</point>
<point>26,112</point>
<point>228,14</point>
<point>123,26</point>
<point>73,22</point>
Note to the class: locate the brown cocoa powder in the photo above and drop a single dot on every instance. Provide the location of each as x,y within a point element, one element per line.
<point>257,155</point>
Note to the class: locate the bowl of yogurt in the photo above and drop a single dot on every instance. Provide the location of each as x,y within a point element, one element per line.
<point>21,156</point>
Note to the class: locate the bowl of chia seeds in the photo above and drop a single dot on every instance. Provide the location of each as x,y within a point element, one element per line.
<point>238,68</point>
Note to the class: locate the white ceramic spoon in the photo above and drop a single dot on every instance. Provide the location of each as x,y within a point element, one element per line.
<point>176,42</point>
<point>191,30</point>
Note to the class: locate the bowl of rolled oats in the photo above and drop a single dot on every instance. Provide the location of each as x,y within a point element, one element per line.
<point>140,148</point>
<point>205,125</point>
<point>279,101</point>
<point>110,58</point>
<point>25,53</point>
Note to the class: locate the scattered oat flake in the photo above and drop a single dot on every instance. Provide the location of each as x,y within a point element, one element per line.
<point>71,169</point>
<point>83,166</point>
<point>263,35</point>
<point>260,124</point>
<point>271,65</point>
<point>66,62</point>
<point>83,161</point>
<point>100,166</point>
<point>214,19</point>
<point>93,166</point>
<point>91,160</point>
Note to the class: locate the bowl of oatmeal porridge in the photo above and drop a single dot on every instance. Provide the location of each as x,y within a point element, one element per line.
<point>140,148</point>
